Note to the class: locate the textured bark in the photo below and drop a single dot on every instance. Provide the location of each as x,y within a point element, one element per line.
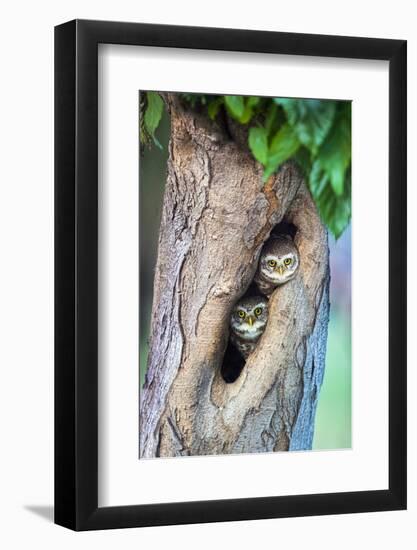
<point>216,216</point>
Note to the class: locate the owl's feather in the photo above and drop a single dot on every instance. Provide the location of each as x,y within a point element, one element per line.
<point>272,269</point>
<point>247,323</point>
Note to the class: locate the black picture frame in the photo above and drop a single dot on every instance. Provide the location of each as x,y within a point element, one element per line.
<point>76,272</point>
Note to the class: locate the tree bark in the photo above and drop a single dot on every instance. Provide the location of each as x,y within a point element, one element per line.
<point>217,214</point>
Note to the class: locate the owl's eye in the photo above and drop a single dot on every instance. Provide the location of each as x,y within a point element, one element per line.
<point>287,261</point>
<point>272,263</point>
<point>258,311</point>
<point>241,314</point>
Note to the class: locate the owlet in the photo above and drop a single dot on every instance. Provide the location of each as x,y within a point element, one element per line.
<point>278,264</point>
<point>248,322</point>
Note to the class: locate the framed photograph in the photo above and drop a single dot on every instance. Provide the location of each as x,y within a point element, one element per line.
<point>230,252</point>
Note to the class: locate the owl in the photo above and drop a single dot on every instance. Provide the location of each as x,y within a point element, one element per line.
<point>278,264</point>
<point>248,322</point>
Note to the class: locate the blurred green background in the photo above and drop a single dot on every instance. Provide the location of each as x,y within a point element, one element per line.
<point>333,420</point>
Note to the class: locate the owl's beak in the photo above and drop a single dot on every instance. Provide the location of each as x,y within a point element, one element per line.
<point>250,320</point>
<point>280,269</point>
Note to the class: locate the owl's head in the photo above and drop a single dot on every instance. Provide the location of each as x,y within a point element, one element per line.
<point>249,317</point>
<point>279,260</point>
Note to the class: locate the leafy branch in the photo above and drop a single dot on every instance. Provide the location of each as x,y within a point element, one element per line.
<point>151,108</point>
<point>315,133</point>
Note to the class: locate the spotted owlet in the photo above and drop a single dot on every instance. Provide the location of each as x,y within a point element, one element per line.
<point>248,322</point>
<point>278,264</point>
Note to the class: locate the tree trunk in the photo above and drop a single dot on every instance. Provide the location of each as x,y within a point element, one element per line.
<point>217,214</point>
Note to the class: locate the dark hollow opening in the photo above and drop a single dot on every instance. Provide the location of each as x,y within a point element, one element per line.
<point>284,228</point>
<point>233,361</point>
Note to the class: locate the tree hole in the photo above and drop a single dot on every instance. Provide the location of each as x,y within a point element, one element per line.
<point>284,228</point>
<point>233,361</point>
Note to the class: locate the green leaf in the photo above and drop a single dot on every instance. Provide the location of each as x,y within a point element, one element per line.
<point>303,159</point>
<point>153,114</point>
<point>335,154</point>
<point>318,180</point>
<point>310,118</point>
<point>335,210</point>
<point>253,101</point>
<point>271,116</point>
<point>247,115</point>
<point>283,146</point>
<point>214,107</point>
<point>258,144</point>
<point>250,104</point>
<point>235,105</point>
<point>143,134</point>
